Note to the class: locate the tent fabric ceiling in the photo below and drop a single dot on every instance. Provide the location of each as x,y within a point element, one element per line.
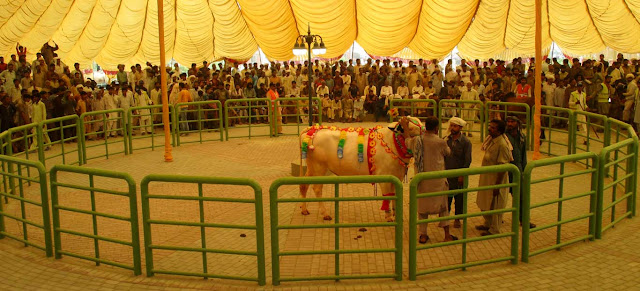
<point>111,32</point>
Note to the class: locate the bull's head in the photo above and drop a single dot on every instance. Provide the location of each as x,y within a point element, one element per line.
<point>414,126</point>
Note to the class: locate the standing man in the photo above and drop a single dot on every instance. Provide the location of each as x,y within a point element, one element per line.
<point>460,158</point>
<point>629,98</point>
<point>111,101</point>
<point>497,151</point>
<point>275,109</point>
<point>183,97</point>
<point>40,115</point>
<point>519,153</point>
<point>429,153</point>
<point>578,102</point>
<point>603,93</point>
<point>469,112</point>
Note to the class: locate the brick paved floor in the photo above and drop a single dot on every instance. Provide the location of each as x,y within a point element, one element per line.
<point>608,264</point>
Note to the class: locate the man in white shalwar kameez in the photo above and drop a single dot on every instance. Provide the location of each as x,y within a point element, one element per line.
<point>429,151</point>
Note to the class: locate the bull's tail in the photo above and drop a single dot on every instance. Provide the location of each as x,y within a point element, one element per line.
<point>300,150</point>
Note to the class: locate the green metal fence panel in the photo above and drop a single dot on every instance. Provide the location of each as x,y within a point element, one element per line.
<point>65,130</point>
<point>293,108</point>
<point>22,142</point>
<point>618,131</point>
<point>563,199</point>
<point>147,131</point>
<point>414,221</point>
<point>13,173</point>
<point>132,219</point>
<point>204,116</point>
<point>586,138</point>
<point>105,124</point>
<point>148,222</point>
<point>617,173</point>
<point>500,110</point>
<point>276,227</point>
<point>420,108</point>
<point>259,116</point>
<point>471,111</point>
<point>4,144</point>
<point>558,141</point>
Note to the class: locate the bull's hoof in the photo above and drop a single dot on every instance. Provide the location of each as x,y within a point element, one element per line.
<point>305,212</point>
<point>327,217</point>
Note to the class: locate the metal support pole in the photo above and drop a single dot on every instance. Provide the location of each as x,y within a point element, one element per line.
<point>163,80</point>
<point>309,41</point>
<point>538,83</point>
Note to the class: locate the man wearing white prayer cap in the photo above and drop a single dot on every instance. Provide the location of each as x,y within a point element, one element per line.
<point>460,158</point>
<point>457,121</point>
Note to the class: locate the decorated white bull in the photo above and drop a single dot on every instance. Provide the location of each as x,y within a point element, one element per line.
<point>356,151</point>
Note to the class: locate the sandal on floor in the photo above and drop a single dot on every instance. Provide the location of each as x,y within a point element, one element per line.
<point>453,238</point>
<point>481,227</point>
<point>423,239</point>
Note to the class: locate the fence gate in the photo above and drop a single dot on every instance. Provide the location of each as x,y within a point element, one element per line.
<point>72,205</point>
<point>414,221</point>
<point>566,199</point>
<point>277,226</point>
<point>150,222</point>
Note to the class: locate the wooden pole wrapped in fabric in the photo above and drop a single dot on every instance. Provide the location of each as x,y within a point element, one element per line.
<point>538,82</point>
<point>163,80</point>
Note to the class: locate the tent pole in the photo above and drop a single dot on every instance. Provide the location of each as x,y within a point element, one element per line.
<point>538,82</point>
<point>163,80</point>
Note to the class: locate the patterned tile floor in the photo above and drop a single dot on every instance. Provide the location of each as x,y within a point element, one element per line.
<point>607,264</point>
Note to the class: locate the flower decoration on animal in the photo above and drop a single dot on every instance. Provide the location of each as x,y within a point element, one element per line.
<point>393,113</point>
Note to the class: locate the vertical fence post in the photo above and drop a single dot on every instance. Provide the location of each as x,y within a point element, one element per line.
<point>129,133</point>
<point>398,228</point>
<point>40,142</point>
<point>526,211</point>
<point>630,186</point>
<point>593,199</point>
<point>336,230</point>
<point>600,194</point>
<point>413,234</point>
<point>275,239</point>
<point>515,216</point>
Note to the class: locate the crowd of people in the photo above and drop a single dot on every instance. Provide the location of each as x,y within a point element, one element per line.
<point>45,88</point>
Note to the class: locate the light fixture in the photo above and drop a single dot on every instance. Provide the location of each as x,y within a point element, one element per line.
<point>299,49</point>
<point>319,49</point>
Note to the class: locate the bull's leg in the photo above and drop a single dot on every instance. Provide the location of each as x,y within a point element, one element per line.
<point>317,189</point>
<point>313,169</point>
<point>303,193</point>
<point>389,190</point>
